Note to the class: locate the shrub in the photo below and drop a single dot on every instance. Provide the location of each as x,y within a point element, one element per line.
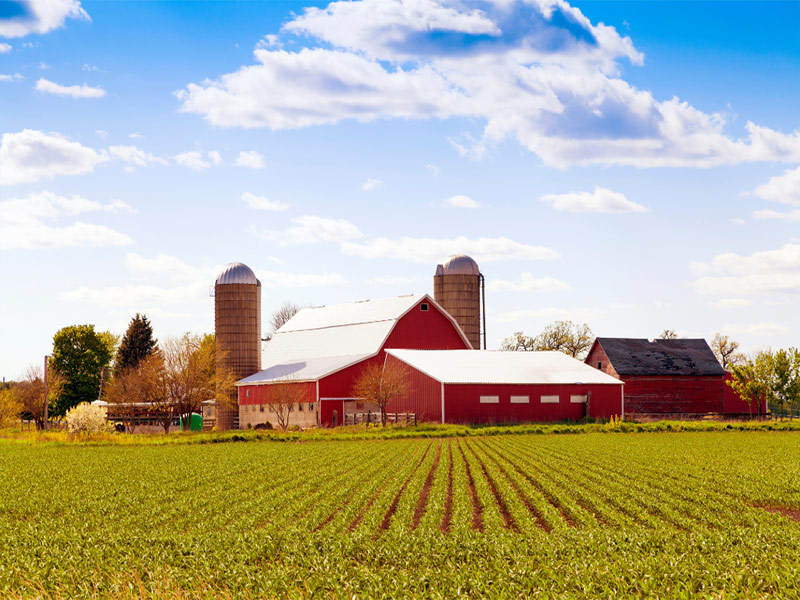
<point>87,418</point>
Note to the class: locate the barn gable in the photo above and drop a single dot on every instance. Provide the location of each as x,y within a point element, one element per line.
<point>641,357</point>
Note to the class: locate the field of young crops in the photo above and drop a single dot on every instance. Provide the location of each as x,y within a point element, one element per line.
<point>671,515</point>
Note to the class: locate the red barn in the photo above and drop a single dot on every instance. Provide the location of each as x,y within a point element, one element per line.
<point>680,376</point>
<point>323,350</point>
<point>504,387</point>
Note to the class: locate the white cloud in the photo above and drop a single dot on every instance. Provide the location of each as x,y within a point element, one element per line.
<point>762,329</point>
<point>371,184</point>
<point>394,280</point>
<point>74,91</point>
<point>41,16</point>
<point>602,200</point>
<point>215,157</point>
<point>528,283</point>
<point>274,279</point>
<point>540,73</point>
<point>738,221</point>
<point>262,203</point>
<point>310,229</point>
<point>783,188</point>
<point>30,155</point>
<point>14,77</point>
<point>101,133</point>
<point>731,303</point>
<point>88,67</point>
<point>33,222</point>
<point>134,156</point>
<point>767,271</point>
<point>430,250</point>
<point>775,215</point>
<point>136,135</point>
<point>168,266</point>
<point>549,313</point>
<point>138,296</point>
<point>5,48</point>
<point>461,202</point>
<point>433,169</point>
<point>193,159</point>
<point>251,160</point>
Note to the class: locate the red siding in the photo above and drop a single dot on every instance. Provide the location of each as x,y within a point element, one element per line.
<point>677,394</point>
<point>261,394</point>
<point>733,404</point>
<point>424,398</point>
<point>598,356</point>
<point>326,409</point>
<point>425,330</point>
<point>462,402</point>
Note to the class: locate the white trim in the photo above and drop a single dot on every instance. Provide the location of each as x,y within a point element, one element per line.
<point>549,399</point>
<point>443,404</point>
<point>490,400</point>
<point>578,398</point>
<point>520,399</point>
<point>623,402</point>
<point>333,398</point>
<point>318,407</point>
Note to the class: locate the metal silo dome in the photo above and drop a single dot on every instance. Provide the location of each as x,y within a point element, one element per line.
<point>460,264</point>
<point>237,273</point>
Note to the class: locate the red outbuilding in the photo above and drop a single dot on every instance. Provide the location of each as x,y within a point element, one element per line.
<point>323,350</point>
<point>480,386</point>
<point>662,377</point>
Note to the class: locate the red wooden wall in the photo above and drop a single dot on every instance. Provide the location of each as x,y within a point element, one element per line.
<point>733,404</point>
<point>424,398</point>
<point>677,394</point>
<point>261,394</point>
<point>462,402</point>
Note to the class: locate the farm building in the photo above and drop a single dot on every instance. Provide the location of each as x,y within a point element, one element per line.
<point>321,351</point>
<point>679,376</point>
<point>457,386</point>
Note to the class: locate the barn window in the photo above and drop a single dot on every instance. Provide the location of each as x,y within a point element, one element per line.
<point>311,406</point>
<point>577,399</point>
<point>549,399</point>
<point>423,307</point>
<point>520,399</point>
<point>299,406</point>
<point>600,365</point>
<point>490,399</point>
<point>248,393</point>
<point>261,408</point>
<point>291,407</point>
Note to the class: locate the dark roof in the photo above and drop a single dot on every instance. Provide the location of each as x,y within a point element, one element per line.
<point>632,356</point>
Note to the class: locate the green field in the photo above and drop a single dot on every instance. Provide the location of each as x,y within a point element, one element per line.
<point>670,515</point>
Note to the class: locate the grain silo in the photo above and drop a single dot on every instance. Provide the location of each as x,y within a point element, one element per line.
<point>237,326</point>
<point>458,286</point>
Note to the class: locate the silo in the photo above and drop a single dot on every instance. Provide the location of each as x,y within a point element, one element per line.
<point>457,287</point>
<point>237,326</point>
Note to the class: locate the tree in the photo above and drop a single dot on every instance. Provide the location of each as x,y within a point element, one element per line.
<point>567,337</point>
<point>136,344</point>
<point>750,380</point>
<point>281,398</point>
<point>80,354</point>
<point>282,314</point>
<point>785,378</point>
<point>34,395</point>
<point>382,384</point>
<point>725,350</point>
<point>133,386</point>
<point>518,342</point>
<point>10,407</point>
<point>190,375</point>
<point>668,334</point>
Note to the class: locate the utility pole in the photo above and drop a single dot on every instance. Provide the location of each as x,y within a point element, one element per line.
<point>46,402</point>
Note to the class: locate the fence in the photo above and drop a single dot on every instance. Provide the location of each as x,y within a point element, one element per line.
<point>367,418</point>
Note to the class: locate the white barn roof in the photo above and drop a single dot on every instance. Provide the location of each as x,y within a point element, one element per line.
<point>321,340</point>
<point>495,367</point>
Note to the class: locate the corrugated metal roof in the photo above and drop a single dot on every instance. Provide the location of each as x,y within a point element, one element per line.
<point>496,367</point>
<point>634,356</point>
<point>361,338</point>
<point>237,273</point>
<point>367,311</point>
<point>302,370</point>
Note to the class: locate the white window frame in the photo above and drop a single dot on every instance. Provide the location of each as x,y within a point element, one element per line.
<point>490,399</point>
<point>520,399</point>
<point>578,399</point>
<point>551,399</point>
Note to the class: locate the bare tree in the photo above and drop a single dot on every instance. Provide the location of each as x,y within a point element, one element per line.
<point>190,375</point>
<point>282,314</point>
<point>725,351</point>
<point>518,342</point>
<point>668,334</point>
<point>281,399</point>
<point>382,384</point>
<point>561,336</point>
<point>35,395</point>
<point>135,386</point>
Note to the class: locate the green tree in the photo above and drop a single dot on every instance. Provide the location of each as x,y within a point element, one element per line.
<point>785,378</point>
<point>750,379</point>
<point>79,355</point>
<point>137,344</point>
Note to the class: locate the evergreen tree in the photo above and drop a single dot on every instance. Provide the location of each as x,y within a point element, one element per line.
<point>137,344</point>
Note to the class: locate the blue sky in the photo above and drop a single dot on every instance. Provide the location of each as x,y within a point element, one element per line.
<point>633,165</point>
